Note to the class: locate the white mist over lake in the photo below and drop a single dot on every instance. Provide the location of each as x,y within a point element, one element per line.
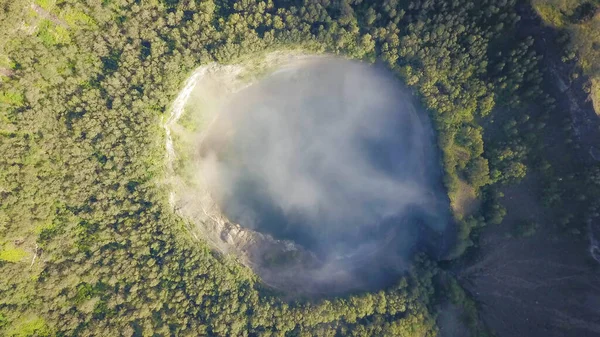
<point>333,156</point>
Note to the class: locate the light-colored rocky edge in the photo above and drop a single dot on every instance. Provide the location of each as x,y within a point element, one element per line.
<point>280,264</point>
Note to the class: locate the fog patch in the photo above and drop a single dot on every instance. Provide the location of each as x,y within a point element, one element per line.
<point>329,170</point>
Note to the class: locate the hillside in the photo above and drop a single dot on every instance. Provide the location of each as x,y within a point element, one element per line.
<point>580,20</point>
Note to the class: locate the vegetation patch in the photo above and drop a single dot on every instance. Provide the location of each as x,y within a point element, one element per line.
<point>89,89</point>
<point>580,19</point>
<point>10,253</point>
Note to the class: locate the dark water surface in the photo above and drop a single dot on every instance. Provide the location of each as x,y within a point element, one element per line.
<point>333,155</point>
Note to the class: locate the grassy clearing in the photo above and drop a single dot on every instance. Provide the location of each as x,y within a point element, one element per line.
<point>11,98</point>
<point>13,254</point>
<point>463,200</point>
<point>52,34</point>
<point>550,14</point>
<point>46,4</point>
<point>76,18</point>
<point>30,326</point>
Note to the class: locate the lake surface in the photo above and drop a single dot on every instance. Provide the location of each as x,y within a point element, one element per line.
<point>336,156</point>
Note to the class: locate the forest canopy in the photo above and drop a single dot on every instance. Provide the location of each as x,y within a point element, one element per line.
<point>88,242</point>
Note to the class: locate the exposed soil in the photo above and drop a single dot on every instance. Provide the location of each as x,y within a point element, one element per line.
<point>49,16</point>
<point>6,72</point>
<point>544,285</point>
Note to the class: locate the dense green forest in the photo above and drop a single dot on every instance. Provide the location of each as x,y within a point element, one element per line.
<point>88,243</point>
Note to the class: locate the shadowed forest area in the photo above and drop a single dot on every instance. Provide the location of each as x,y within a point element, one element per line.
<point>90,246</point>
<point>579,22</point>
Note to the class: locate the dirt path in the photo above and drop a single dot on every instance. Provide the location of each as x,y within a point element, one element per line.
<point>48,16</point>
<point>6,72</point>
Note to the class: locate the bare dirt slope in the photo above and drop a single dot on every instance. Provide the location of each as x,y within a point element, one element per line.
<point>546,285</point>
